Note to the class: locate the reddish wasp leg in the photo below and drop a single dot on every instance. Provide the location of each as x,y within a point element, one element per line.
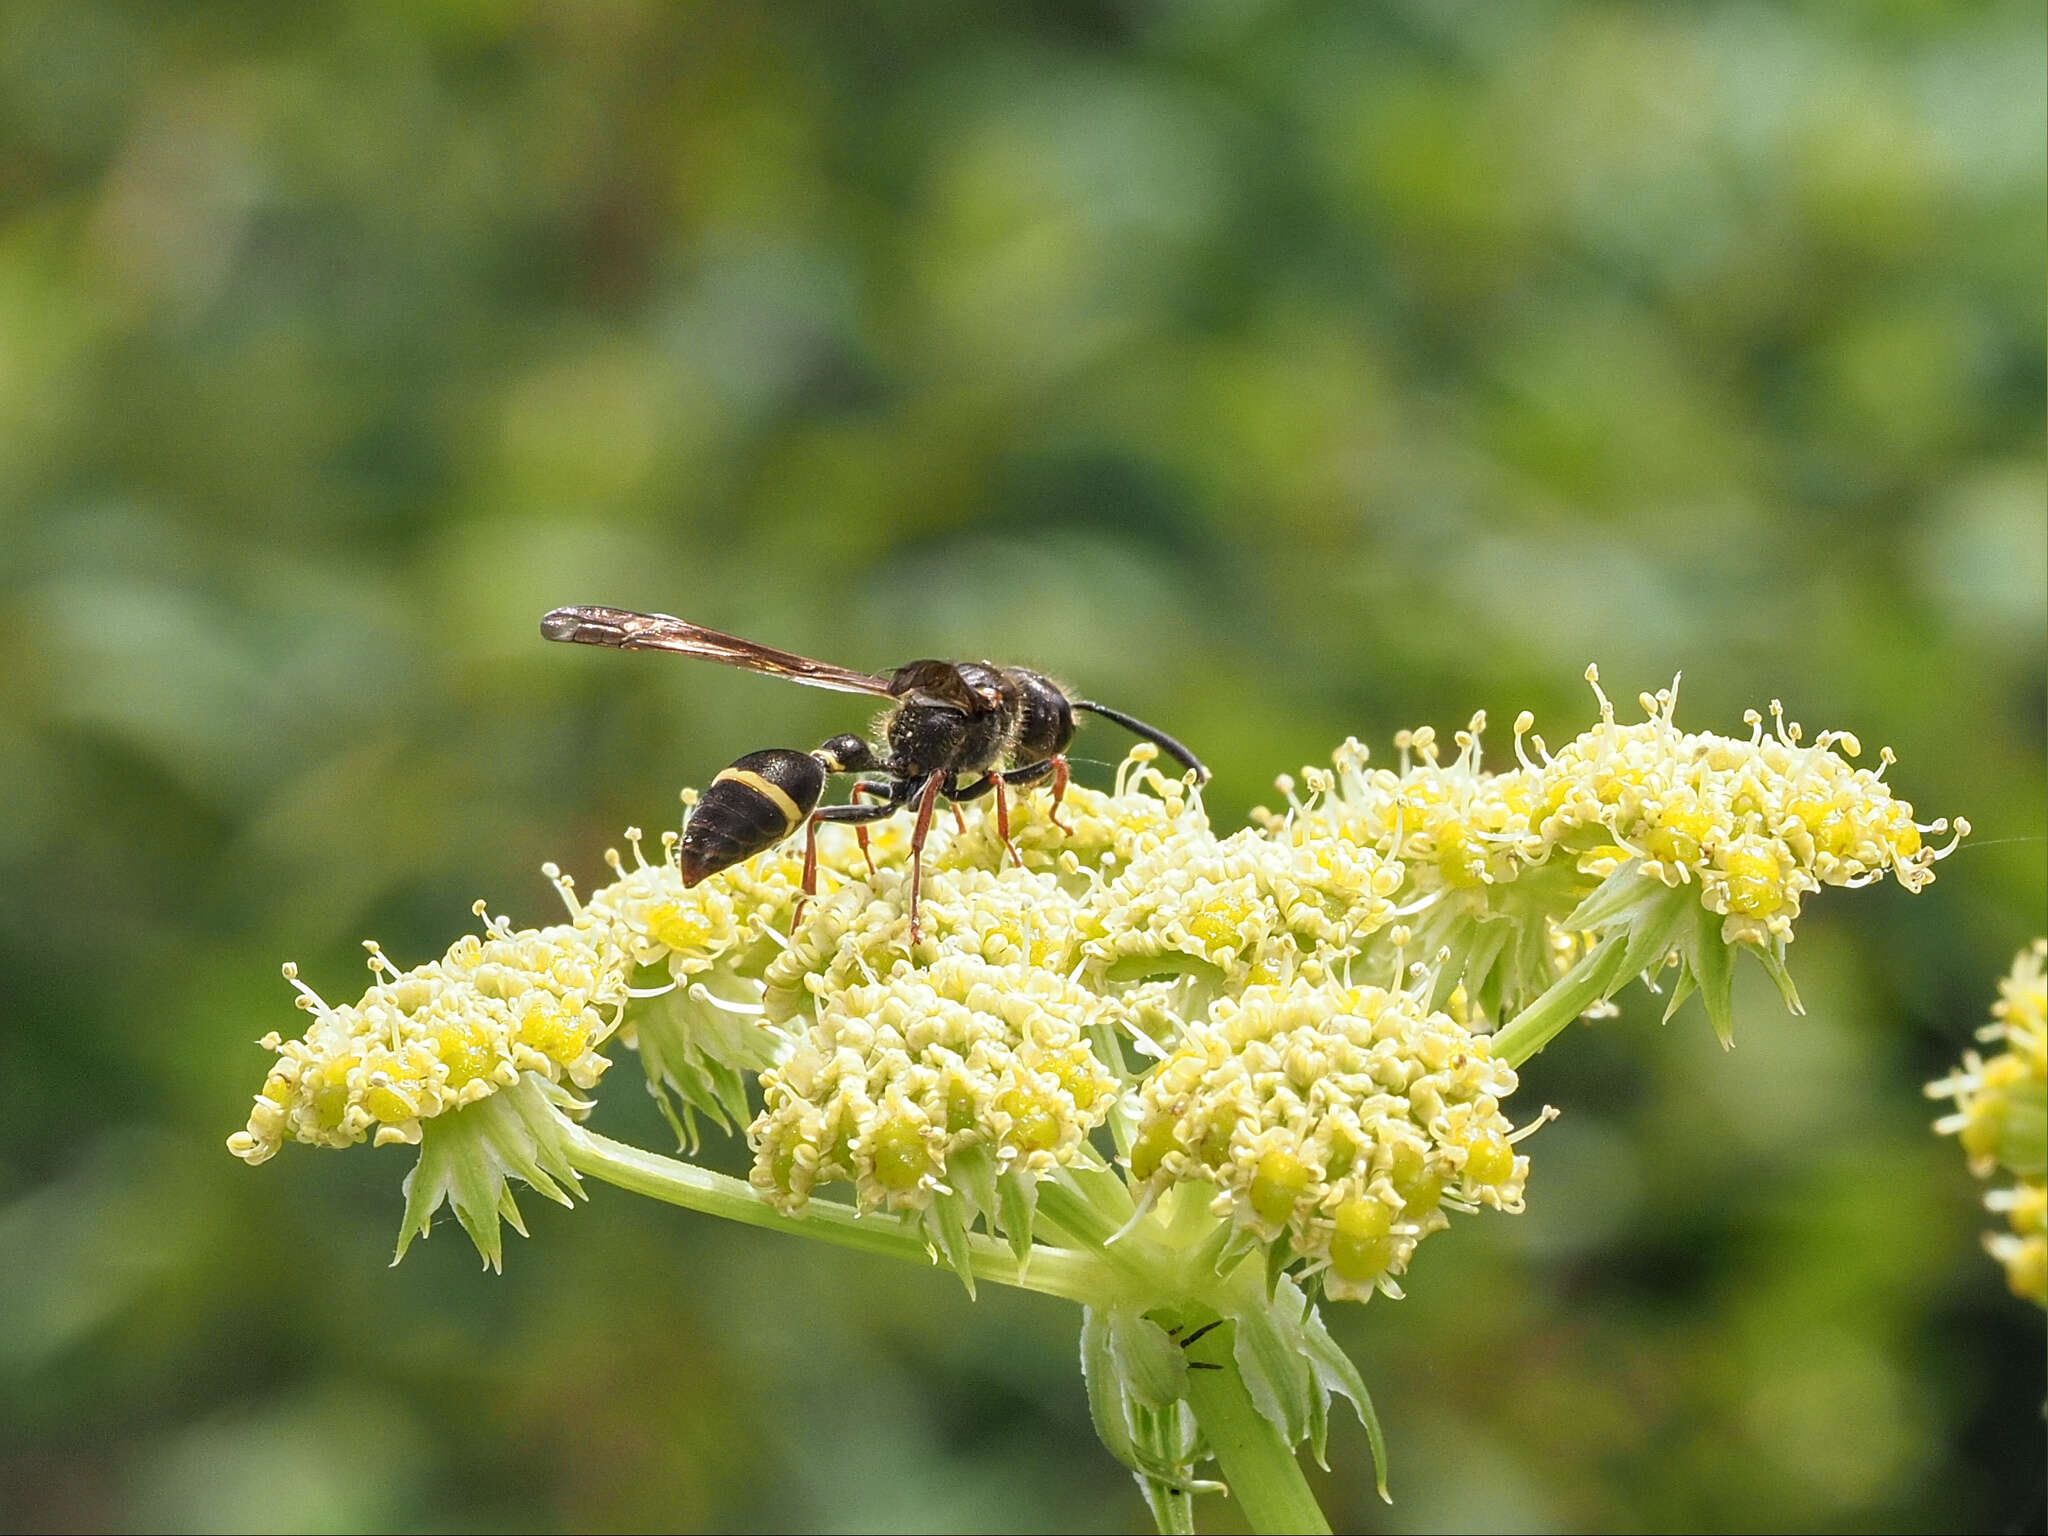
<point>860,831</point>
<point>959,819</point>
<point>925,802</point>
<point>796,914</point>
<point>1059,792</point>
<point>1003,821</point>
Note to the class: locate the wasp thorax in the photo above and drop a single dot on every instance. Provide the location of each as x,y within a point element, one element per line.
<point>752,805</point>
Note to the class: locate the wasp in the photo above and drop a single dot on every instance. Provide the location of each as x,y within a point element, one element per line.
<point>953,731</point>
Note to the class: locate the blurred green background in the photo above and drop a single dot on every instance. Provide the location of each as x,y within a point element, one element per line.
<point>1277,372</point>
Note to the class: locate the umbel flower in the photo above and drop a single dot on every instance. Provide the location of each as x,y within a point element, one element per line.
<point>2002,1123</point>
<point>1192,1080</point>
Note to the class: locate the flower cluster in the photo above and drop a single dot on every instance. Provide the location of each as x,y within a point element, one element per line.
<point>896,1077</point>
<point>439,1037</point>
<point>1497,866</point>
<point>1286,1024</point>
<point>1999,1119</point>
<point>1755,823</point>
<point>1343,1119</point>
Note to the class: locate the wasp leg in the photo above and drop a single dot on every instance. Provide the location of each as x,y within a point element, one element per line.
<point>1059,792</point>
<point>1003,821</point>
<point>860,828</point>
<point>1031,773</point>
<point>847,813</point>
<point>980,787</point>
<point>925,802</point>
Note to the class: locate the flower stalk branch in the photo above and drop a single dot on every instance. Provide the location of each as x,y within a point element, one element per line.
<point>1065,1273</point>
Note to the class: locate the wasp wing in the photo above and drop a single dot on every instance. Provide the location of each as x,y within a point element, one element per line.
<point>626,631</point>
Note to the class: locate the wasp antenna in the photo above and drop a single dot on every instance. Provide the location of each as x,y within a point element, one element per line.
<point>1151,733</point>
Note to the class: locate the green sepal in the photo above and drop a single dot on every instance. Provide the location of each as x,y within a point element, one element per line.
<point>1115,1407</point>
<point>1681,989</point>
<point>1279,1254</point>
<point>945,1224</point>
<point>1154,1368</point>
<point>1017,1208</point>
<point>1613,902</point>
<point>972,1171</point>
<point>1772,958</point>
<point>1237,1244</point>
<point>1208,1255</point>
<point>1647,910</point>
<point>697,1058</point>
<point>1108,1049</point>
<point>468,1155</point>
<point>1488,941</point>
<point>1334,1372</point>
<point>1712,970</point>
<point>1272,1355</point>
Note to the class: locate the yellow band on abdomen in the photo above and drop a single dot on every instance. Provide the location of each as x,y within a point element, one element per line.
<point>776,794</point>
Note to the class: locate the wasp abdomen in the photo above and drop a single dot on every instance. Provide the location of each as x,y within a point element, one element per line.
<point>752,805</point>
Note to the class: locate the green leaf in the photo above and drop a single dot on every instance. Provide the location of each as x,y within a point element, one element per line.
<point>1272,1355</point>
<point>1334,1372</point>
<point>1153,1366</point>
<point>1100,1375</point>
<point>1114,1411</point>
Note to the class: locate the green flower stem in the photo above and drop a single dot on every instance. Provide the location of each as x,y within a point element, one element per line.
<point>1263,1473</point>
<point>1073,1276</point>
<point>1564,1000</point>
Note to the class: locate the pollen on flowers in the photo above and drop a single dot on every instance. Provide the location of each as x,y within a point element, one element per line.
<point>1758,823</point>
<point>422,1042</point>
<point>896,1077</point>
<point>1339,1120</point>
<point>656,920</point>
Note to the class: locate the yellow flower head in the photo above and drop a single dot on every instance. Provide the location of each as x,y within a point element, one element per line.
<point>1452,825</point>
<point>1241,909</point>
<point>440,1036</point>
<point>2001,1119</point>
<point>1757,823</point>
<point>1343,1120</point>
<point>898,1076</point>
